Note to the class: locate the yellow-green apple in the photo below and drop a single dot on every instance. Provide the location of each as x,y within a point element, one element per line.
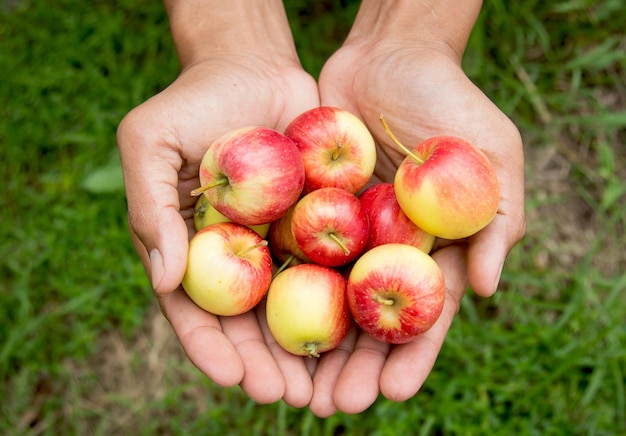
<point>330,226</point>
<point>307,311</point>
<point>447,186</point>
<point>229,269</point>
<point>282,243</point>
<point>337,148</point>
<point>388,223</point>
<point>204,214</point>
<point>395,292</point>
<point>252,175</point>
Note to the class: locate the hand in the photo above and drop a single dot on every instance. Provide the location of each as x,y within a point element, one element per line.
<point>422,91</point>
<point>161,143</point>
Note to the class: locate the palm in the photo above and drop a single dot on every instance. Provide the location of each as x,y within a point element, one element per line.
<point>418,98</point>
<point>212,98</point>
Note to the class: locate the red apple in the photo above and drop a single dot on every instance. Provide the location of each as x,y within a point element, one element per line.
<point>282,243</point>
<point>307,311</point>
<point>395,292</point>
<point>388,223</point>
<point>337,148</point>
<point>204,215</point>
<point>229,269</point>
<point>447,186</point>
<point>252,175</point>
<point>330,226</point>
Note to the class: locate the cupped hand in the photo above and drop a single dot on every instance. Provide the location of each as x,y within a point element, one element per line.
<point>161,144</point>
<point>422,92</point>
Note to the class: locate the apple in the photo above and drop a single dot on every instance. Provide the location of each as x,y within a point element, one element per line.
<point>337,148</point>
<point>282,243</point>
<point>204,214</point>
<point>306,308</point>
<point>395,292</point>
<point>388,223</point>
<point>252,175</point>
<point>446,186</point>
<point>229,269</point>
<point>330,226</point>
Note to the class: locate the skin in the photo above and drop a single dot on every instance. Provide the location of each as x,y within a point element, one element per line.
<point>406,56</point>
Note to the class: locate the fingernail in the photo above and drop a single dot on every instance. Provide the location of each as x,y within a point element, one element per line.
<point>497,281</point>
<point>156,267</point>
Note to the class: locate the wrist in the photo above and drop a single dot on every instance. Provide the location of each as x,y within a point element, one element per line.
<point>442,24</point>
<point>209,28</point>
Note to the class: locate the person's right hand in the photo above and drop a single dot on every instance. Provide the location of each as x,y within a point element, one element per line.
<point>161,143</point>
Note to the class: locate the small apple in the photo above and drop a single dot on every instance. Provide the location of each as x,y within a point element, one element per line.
<point>307,311</point>
<point>204,214</point>
<point>388,223</point>
<point>282,243</point>
<point>252,175</point>
<point>229,269</point>
<point>337,148</point>
<point>447,186</point>
<point>330,226</point>
<point>395,292</point>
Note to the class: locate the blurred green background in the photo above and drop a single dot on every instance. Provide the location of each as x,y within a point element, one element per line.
<point>83,350</point>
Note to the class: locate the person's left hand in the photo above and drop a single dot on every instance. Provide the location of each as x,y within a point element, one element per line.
<point>422,92</point>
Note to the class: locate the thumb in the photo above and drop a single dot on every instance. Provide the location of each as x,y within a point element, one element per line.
<point>159,233</point>
<point>489,248</point>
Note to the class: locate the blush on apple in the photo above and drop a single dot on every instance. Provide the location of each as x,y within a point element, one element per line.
<point>337,148</point>
<point>252,175</point>
<point>395,292</point>
<point>307,311</point>
<point>447,186</point>
<point>330,226</point>
<point>388,223</point>
<point>229,269</point>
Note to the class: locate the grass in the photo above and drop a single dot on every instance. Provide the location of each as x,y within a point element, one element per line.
<point>83,349</point>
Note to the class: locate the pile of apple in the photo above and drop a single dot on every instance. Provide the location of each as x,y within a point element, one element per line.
<point>344,252</point>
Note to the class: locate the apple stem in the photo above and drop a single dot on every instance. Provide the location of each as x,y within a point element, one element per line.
<point>337,151</point>
<point>384,300</point>
<point>196,192</point>
<point>340,243</point>
<point>311,349</point>
<point>284,265</point>
<point>398,143</point>
<point>263,243</point>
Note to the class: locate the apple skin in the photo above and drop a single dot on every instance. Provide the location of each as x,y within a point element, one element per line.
<point>262,171</point>
<point>325,214</point>
<point>204,214</point>
<point>395,292</point>
<point>454,193</point>
<point>306,308</point>
<point>388,223</point>
<point>337,148</point>
<point>225,275</point>
<point>283,244</point>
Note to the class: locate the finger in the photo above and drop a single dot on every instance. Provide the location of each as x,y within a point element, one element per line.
<point>153,201</point>
<point>489,248</point>
<point>297,379</point>
<point>409,364</point>
<point>262,378</point>
<point>202,338</point>
<point>326,374</point>
<point>358,383</point>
